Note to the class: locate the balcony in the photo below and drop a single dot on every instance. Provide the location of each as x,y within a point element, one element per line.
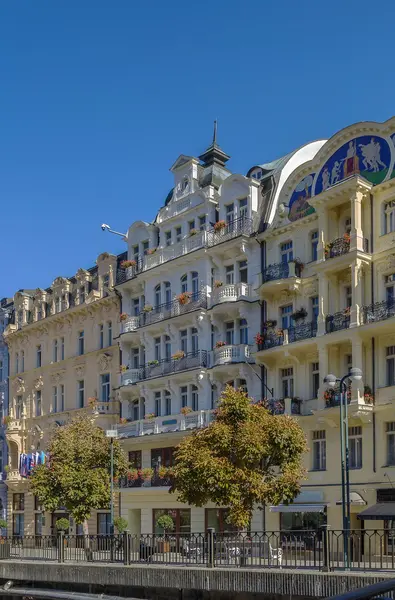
<point>177,207</point>
<point>337,247</point>
<point>13,476</point>
<point>290,406</point>
<point>272,340</point>
<point>163,255</point>
<point>379,311</point>
<point>164,367</point>
<point>173,309</point>
<point>166,424</point>
<point>235,353</point>
<point>231,293</point>
<point>303,331</point>
<point>130,324</point>
<point>13,425</point>
<point>275,272</point>
<point>241,226</point>
<point>337,321</point>
<point>139,482</point>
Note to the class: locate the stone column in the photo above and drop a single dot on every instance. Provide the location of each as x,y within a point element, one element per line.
<point>356,235</point>
<point>322,233</point>
<point>357,362</point>
<point>356,290</point>
<point>322,303</point>
<point>323,359</point>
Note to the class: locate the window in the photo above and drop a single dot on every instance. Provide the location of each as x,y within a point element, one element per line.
<point>230,333</point>
<point>18,501</point>
<point>184,340</point>
<point>157,344</point>
<point>286,252</point>
<point>157,404</point>
<point>202,222</point>
<point>38,403</point>
<point>390,430</point>
<point>314,308</point>
<point>101,335</point>
<point>167,294</point>
<point>80,343</point>
<point>230,213</point>
<point>314,245</point>
<point>389,282</point>
<point>39,312</point>
<point>135,307</point>
<point>243,329</point>
<point>348,296</point>
<point>178,234</point>
<point>105,387</point>
<point>229,275</point>
<point>82,294</point>
<point>158,296</point>
<point>319,450</point>
<point>22,361</point>
<point>145,246</point>
<point>55,350</point>
<point>62,348</point>
<point>135,358</point>
<point>168,238</point>
<point>184,283</point>
<point>103,523</point>
<point>390,360</point>
<point>287,382</point>
<point>167,348</point>
<point>16,362</point>
<point>18,525</point>
<point>54,399</point>
<point>181,519</point>
<point>38,524</point>
<point>109,333</point>
<point>135,251</point>
<point>80,394</point>
<point>106,280</point>
<point>134,457</point>
<point>389,216</point>
<point>191,225</point>
<point>162,457</point>
<point>243,208</point>
<point>286,316</point>
<point>217,519</point>
<point>243,271</point>
<point>167,403</point>
<point>18,407</point>
<point>194,340</point>
<point>61,403</point>
<point>1,371</point>
<point>38,356</point>
<point>184,396</point>
<point>195,398</point>
<point>315,379</point>
<point>195,285</point>
<point>355,447</point>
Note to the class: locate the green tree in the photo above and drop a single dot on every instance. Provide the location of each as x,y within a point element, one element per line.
<point>247,457</point>
<point>77,474</point>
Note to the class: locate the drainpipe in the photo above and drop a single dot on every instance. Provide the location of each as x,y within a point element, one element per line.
<point>373,339</point>
<point>263,318</point>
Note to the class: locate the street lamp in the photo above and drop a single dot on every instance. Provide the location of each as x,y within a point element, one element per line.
<point>331,380</point>
<point>112,434</point>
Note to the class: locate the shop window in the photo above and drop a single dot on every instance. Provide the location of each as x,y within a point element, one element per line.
<point>181,519</point>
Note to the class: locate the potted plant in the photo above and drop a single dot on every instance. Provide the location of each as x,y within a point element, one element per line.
<point>120,524</point>
<point>147,308</point>
<point>218,283</point>
<point>346,237</point>
<point>123,316</point>
<point>163,472</point>
<point>62,524</point>
<point>299,265</point>
<point>153,363</point>
<point>123,368</point>
<point>270,323</point>
<point>219,225</point>
<point>259,339</point>
<point>186,410</point>
<point>184,298</point>
<point>299,314</point>
<point>178,355</point>
<point>279,332</point>
<point>133,475</point>
<point>147,474</point>
<point>368,395</point>
<point>346,311</point>
<point>150,416</point>
<point>123,421</point>
<point>5,549</point>
<point>193,232</point>
<point>166,523</point>
<point>151,251</point>
<point>92,402</point>
<point>220,344</point>
<point>125,264</point>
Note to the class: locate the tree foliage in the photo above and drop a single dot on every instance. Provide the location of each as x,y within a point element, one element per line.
<point>247,457</point>
<point>77,474</point>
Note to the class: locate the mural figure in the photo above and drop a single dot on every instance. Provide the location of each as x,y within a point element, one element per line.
<point>326,179</point>
<point>335,177</point>
<point>371,156</point>
<point>298,205</point>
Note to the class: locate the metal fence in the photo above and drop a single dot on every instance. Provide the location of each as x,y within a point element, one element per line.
<point>322,549</point>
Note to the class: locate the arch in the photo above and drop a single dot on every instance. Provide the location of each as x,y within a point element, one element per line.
<point>13,455</point>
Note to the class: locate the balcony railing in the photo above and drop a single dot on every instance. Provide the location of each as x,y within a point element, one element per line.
<point>166,424</point>
<point>272,340</point>
<point>379,311</point>
<point>302,332</point>
<point>130,324</point>
<point>234,353</point>
<point>231,230</point>
<point>277,407</point>
<point>275,271</point>
<point>160,368</point>
<point>163,255</point>
<point>337,247</point>
<point>155,481</point>
<point>332,397</point>
<point>231,292</point>
<point>337,321</point>
<point>173,309</point>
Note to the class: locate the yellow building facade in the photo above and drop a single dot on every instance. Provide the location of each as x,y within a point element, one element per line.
<point>63,360</point>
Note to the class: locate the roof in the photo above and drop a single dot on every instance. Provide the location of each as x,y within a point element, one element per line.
<point>379,512</point>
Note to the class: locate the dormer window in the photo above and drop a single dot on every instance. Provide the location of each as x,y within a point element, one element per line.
<point>168,238</point>
<point>39,312</point>
<point>59,304</point>
<point>202,222</point>
<point>20,317</point>
<point>145,246</point>
<point>185,184</point>
<point>106,280</point>
<point>135,251</point>
<point>81,294</point>
<point>243,208</point>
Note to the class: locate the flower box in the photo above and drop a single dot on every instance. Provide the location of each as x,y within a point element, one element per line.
<point>259,339</point>
<point>153,363</point>
<point>125,264</point>
<point>219,225</point>
<point>147,308</point>
<point>186,410</point>
<point>184,298</point>
<point>299,314</point>
<point>220,344</point>
<point>151,251</point>
<point>193,232</point>
<point>270,323</point>
<point>178,355</point>
<point>123,421</point>
<point>150,416</point>
<point>218,284</point>
<point>123,316</point>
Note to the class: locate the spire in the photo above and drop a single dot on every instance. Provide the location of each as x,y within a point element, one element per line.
<point>214,154</point>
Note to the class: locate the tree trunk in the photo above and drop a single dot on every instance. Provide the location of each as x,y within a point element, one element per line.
<point>87,545</point>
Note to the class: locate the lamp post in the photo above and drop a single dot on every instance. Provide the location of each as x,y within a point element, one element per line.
<point>354,374</point>
<point>112,434</point>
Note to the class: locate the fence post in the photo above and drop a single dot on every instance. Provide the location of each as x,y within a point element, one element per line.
<point>325,546</point>
<point>60,540</point>
<point>210,547</point>
<point>126,547</point>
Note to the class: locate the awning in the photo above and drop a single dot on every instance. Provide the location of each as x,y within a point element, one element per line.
<point>292,508</point>
<point>355,499</point>
<point>379,512</point>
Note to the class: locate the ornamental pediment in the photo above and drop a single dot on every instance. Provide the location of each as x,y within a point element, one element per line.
<point>83,275</point>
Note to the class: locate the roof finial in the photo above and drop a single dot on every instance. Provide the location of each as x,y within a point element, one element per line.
<point>215,132</point>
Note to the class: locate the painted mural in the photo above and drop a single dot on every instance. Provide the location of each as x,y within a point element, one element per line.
<point>367,155</point>
<point>298,203</point>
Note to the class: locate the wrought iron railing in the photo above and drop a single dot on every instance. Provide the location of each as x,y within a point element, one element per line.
<point>338,247</point>
<point>272,340</point>
<point>167,310</point>
<point>302,331</point>
<point>379,311</point>
<point>241,226</point>
<point>337,321</point>
<point>275,271</point>
<point>191,360</point>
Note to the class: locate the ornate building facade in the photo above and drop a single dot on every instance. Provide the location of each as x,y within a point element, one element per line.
<point>6,312</point>
<point>63,359</point>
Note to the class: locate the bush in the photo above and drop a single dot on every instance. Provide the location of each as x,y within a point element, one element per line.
<point>165,522</point>
<point>62,524</point>
<point>120,524</point>
<point>3,524</point>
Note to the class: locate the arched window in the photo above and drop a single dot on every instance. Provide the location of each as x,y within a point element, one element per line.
<point>135,410</point>
<point>184,283</point>
<point>195,397</point>
<point>167,287</point>
<point>195,285</point>
<point>158,296</point>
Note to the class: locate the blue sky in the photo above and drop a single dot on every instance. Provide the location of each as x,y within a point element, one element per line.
<point>98,98</point>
